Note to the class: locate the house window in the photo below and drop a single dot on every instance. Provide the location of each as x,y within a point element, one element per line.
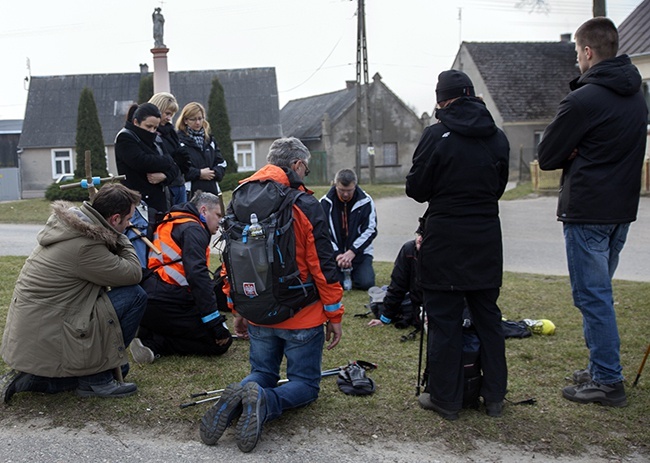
<point>245,155</point>
<point>61,163</point>
<point>390,154</point>
<point>121,108</point>
<point>389,151</point>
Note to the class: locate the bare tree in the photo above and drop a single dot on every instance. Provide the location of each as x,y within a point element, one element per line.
<point>599,7</point>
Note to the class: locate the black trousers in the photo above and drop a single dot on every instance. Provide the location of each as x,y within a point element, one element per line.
<point>172,325</point>
<point>444,311</point>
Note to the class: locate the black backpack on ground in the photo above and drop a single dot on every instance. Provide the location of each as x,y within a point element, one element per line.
<point>265,284</point>
<point>472,375</point>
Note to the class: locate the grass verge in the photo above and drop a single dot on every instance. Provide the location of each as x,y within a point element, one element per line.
<point>537,369</point>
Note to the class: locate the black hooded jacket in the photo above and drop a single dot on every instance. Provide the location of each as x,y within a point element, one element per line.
<point>460,167</point>
<point>605,118</point>
<point>208,156</point>
<point>139,152</point>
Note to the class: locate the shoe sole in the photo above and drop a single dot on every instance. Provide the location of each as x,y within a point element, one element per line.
<point>224,414</point>
<point>141,354</point>
<point>249,427</point>
<point>597,400</point>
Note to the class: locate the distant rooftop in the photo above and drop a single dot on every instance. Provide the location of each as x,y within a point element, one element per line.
<point>9,126</point>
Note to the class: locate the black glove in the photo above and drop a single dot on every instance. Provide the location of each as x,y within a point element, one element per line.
<point>218,328</point>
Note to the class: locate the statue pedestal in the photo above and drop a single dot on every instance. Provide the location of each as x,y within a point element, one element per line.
<point>160,70</point>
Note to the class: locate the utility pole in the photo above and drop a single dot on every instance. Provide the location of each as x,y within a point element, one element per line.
<point>599,8</point>
<point>362,94</point>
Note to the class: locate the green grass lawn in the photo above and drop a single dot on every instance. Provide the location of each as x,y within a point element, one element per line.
<point>537,369</point>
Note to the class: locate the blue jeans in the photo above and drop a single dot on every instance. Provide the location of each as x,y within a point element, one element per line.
<point>592,256</point>
<point>129,303</point>
<point>363,275</point>
<point>178,194</point>
<point>304,352</point>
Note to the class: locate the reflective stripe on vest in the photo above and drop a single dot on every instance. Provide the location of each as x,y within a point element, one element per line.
<point>169,265</point>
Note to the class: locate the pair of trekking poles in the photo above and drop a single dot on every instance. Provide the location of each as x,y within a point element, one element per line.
<point>368,366</point>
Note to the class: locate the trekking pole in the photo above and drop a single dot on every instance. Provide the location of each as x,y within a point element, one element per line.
<point>418,385</point>
<point>331,372</point>
<point>638,375</point>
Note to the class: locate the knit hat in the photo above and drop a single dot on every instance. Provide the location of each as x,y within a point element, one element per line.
<point>453,84</point>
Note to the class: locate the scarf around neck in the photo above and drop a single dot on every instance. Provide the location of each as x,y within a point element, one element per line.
<point>197,135</point>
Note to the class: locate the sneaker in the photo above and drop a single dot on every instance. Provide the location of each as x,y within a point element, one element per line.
<point>494,409</point>
<point>611,395</point>
<point>12,382</point>
<point>141,353</point>
<point>220,416</point>
<point>424,400</point>
<point>249,426</point>
<point>114,389</point>
<point>581,376</point>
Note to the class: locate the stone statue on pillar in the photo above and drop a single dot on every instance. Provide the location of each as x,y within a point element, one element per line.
<point>158,24</point>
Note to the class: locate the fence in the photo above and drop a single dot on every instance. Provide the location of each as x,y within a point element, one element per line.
<point>549,180</point>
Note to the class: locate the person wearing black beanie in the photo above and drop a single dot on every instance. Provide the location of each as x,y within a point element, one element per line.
<point>452,84</point>
<point>460,167</point>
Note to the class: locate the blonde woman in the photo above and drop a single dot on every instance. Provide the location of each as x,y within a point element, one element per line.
<point>168,106</point>
<point>208,165</point>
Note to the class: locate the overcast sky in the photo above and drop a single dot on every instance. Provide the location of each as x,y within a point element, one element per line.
<point>311,43</point>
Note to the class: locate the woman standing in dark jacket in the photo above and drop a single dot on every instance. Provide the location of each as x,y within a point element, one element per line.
<point>168,106</point>
<point>208,166</point>
<point>460,167</point>
<point>139,155</point>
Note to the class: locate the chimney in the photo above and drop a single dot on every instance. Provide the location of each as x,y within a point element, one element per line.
<point>565,38</point>
<point>144,69</point>
<point>349,84</point>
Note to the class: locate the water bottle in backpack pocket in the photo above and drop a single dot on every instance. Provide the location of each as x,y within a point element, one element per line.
<point>250,259</point>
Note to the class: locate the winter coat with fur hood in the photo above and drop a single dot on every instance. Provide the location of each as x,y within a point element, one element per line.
<point>61,322</point>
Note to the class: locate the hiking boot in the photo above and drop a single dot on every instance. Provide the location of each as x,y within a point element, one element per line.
<point>611,395</point>
<point>220,416</point>
<point>249,426</point>
<point>13,382</point>
<point>581,376</point>
<point>141,353</point>
<point>424,400</point>
<point>113,389</point>
<point>494,409</point>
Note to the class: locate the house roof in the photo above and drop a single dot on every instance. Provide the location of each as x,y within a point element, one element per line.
<point>11,126</point>
<point>51,112</point>
<point>634,31</point>
<point>526,80</point>
<point>302,118</point>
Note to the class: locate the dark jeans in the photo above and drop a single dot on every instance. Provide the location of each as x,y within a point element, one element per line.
<point>129,303</point>
<point>363,275</point>
<point>303,350</point>
<point>592,254</point>
<point>444,310</point>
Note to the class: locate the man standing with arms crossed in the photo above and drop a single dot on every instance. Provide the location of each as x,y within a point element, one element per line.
<point>598,139</point>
